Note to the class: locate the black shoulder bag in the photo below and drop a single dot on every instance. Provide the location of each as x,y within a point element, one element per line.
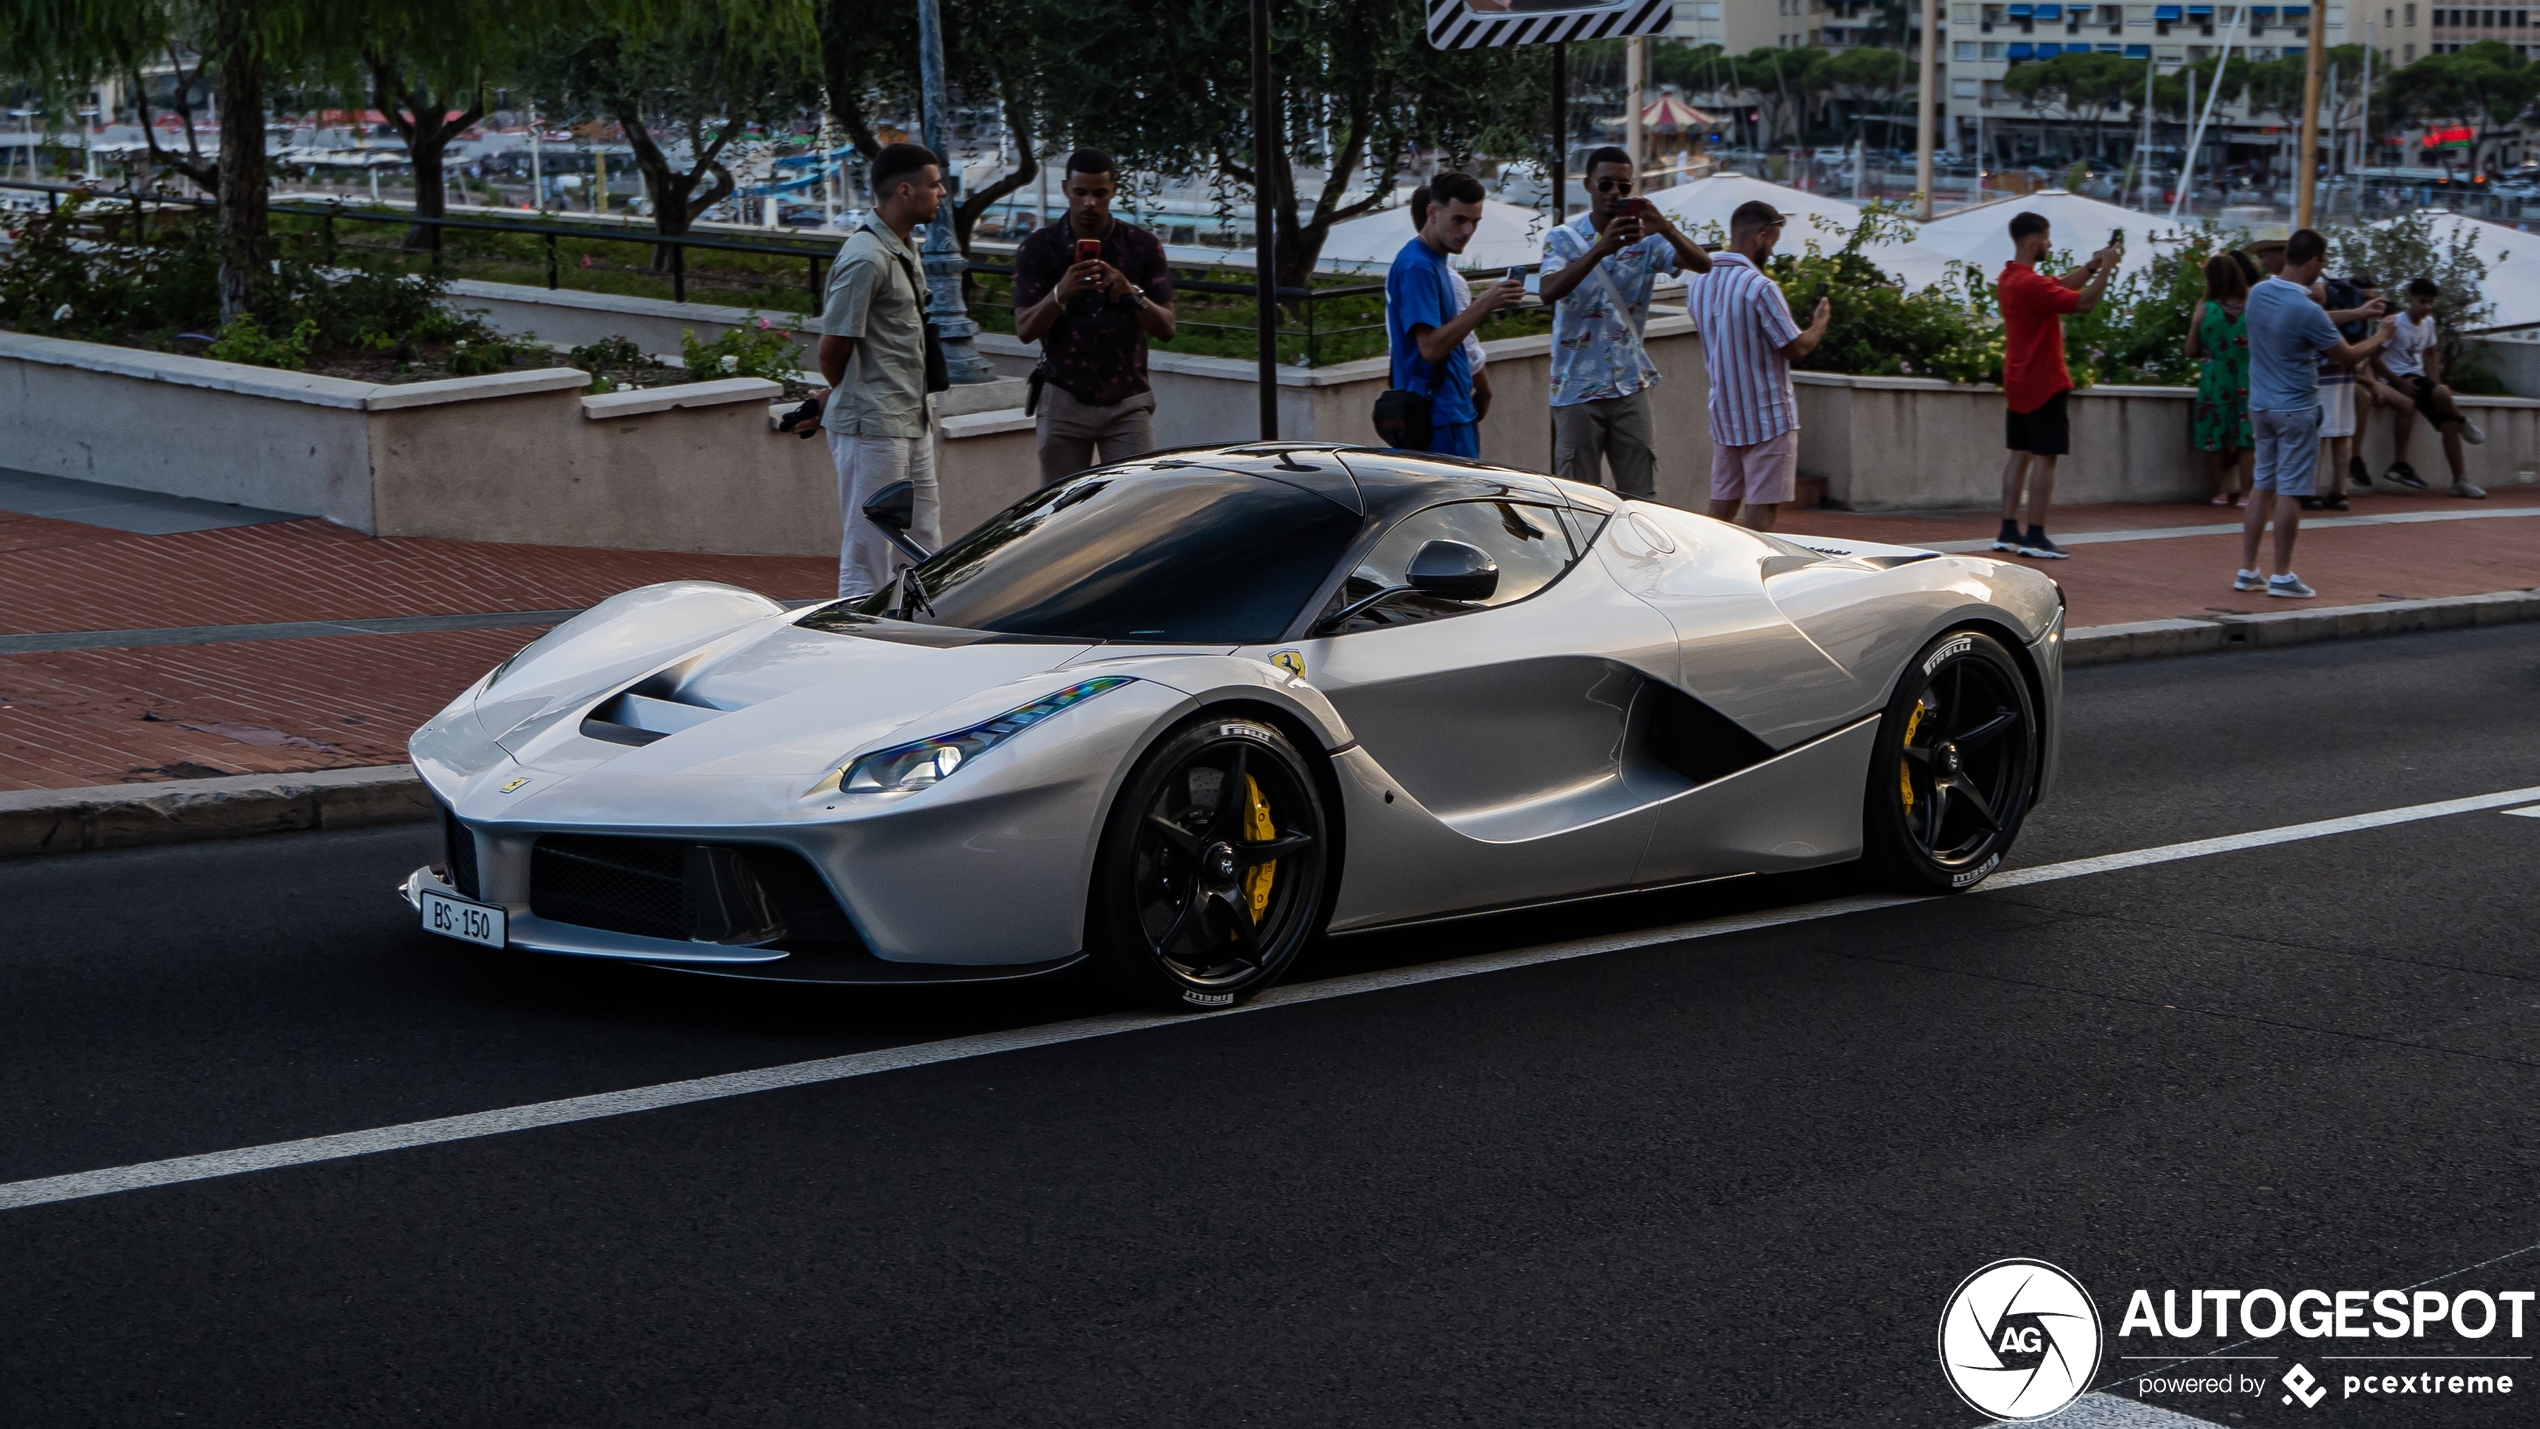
<point>938,375</point>
<point>1403,419</point>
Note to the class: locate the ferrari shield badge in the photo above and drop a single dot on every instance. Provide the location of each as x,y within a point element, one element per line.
<point>516,783</point>
<point>1291,661</point>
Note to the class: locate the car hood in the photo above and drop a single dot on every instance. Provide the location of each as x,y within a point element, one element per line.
<point>776,702</point>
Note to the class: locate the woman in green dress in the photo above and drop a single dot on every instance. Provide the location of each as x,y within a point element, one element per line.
<point>2218,341</point>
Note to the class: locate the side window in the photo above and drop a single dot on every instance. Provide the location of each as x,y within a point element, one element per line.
<point>1527,541</point>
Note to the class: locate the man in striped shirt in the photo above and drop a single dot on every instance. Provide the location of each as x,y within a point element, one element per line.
<point>1749,341</point>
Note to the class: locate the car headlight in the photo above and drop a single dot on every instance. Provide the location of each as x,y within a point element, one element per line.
<point>929,761</point>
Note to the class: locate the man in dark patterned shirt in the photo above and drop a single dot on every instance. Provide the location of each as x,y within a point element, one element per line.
<point>1092,316</point>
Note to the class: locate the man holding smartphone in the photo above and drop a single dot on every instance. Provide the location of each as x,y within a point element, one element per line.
<point>1091,291</point>
<point>1598,270</point>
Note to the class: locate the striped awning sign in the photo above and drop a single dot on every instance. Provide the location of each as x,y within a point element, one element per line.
<point>1488,24</point>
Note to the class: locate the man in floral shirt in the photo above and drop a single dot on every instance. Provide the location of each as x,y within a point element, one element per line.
<point>1597,273</point>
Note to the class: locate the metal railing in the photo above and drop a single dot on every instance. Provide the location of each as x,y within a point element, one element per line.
<point>1309,334</point>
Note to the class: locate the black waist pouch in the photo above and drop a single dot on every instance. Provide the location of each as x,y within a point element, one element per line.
<point>1403,419</point>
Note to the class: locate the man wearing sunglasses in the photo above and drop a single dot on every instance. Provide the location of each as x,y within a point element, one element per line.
<point>1597,273</point>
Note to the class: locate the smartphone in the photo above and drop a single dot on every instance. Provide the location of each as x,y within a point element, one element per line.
<point>1818,296</point>
<point>1531,277</point>
<point>1088,249</point>
<point>1639,208</point>
<point>2116,239</point>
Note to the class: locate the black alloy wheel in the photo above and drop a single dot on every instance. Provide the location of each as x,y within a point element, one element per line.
<point>1213,867</point>
<point>1955,767</point>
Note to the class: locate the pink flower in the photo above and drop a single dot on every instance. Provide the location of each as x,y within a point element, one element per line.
<point>762,324</point>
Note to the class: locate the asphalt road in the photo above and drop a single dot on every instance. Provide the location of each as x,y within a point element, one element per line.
<point>1729,1181</point>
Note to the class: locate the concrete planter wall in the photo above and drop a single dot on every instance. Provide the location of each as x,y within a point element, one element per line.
<point>526,457</point>
<point>516,456</point>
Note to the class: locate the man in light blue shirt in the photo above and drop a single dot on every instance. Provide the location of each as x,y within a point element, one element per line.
<point>2288,331</point>
<point>1425,331</point>
<point>1597,273</point>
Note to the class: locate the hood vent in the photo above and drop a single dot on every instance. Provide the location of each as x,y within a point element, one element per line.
<point>652,708</point>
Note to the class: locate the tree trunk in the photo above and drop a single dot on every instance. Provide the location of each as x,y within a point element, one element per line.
<point>431,195</point>
<point>966,214</point>
<point>837,40</point>
<point>674,194</point>
<point>245,227</point>
<point>425,125</point>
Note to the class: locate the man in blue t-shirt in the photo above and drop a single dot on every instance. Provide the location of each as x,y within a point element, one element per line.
<point>2288,331</point>
<point>1424,330</point>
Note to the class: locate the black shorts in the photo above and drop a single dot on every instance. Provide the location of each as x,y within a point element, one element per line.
<point>2419,388</point>
<point>2044,432</point>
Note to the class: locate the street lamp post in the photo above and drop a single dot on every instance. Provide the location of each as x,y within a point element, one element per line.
<point>1925,121</point>
<point>2306,177</point>
<point>941,255</point>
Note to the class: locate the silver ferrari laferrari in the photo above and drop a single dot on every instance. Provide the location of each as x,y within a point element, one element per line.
<point>1181,714</point>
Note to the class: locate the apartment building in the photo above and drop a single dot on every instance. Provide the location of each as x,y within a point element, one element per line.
<point>1739,26</point>
<point>2449,29</point>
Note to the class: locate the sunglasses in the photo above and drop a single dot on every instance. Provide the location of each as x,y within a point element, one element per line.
<point>1613,186</point>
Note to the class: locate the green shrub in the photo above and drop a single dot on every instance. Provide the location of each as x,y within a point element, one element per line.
<point>606,359</point>
<point>492,352</point>
<point>243,339</point>
<point>756,349</point>
<point>57,282</point>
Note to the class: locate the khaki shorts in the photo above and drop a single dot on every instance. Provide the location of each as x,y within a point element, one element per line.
<point>1764,474</point>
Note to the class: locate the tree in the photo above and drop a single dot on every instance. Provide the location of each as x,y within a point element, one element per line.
<point>1165,87</point>
<point>204,172</point>
<point>62,46</point>
<point>1868,75</point>
<point>868,52</point>
<point>430,70</point>
<point>698,73</point>
<point>1786,84</point>
<point>2077,84</point>
<point>2482,86</point>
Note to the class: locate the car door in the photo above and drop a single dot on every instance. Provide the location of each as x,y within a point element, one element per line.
<point>1501,721</point>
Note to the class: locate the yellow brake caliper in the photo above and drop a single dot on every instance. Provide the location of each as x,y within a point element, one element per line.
<point>1904,766</point>
<point>1258,828</point>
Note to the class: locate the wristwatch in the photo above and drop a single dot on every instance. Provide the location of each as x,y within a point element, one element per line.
<point>1138,298</point>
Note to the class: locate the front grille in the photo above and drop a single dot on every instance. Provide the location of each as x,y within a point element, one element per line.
<point>458,854</point>
<point>623,885</point>
<point>739,894</point>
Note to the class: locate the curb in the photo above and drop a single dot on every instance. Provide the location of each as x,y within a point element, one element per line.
<point>38,821</point>
<point>2206,635</point>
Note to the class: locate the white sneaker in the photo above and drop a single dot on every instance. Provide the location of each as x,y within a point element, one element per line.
<point>2289,586</point>
<point>2249,580</point>
<point>2472,432</point>
<point>2469,491</point>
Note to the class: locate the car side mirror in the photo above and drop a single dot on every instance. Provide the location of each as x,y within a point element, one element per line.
<point>894,509</point>
<point>1452,570</point>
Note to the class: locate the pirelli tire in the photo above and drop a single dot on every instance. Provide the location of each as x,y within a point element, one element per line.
<point>1954,771</point>
<point>1213,867</point>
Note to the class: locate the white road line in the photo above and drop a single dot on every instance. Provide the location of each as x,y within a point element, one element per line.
<point>2218,528</point>
<point>2259,838</point>
<point>2530,811</point>
<point>340,1145</point>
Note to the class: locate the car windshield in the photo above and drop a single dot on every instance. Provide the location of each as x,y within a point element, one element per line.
<point>1188,556</point>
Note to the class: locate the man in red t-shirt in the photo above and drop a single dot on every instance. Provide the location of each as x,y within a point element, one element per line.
<point>2033,378</point>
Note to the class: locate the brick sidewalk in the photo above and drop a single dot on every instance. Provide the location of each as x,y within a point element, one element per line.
<point>74,718</point>
<point>105,716</point>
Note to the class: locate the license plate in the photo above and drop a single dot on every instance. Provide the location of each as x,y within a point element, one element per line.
<point>457,918</point>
